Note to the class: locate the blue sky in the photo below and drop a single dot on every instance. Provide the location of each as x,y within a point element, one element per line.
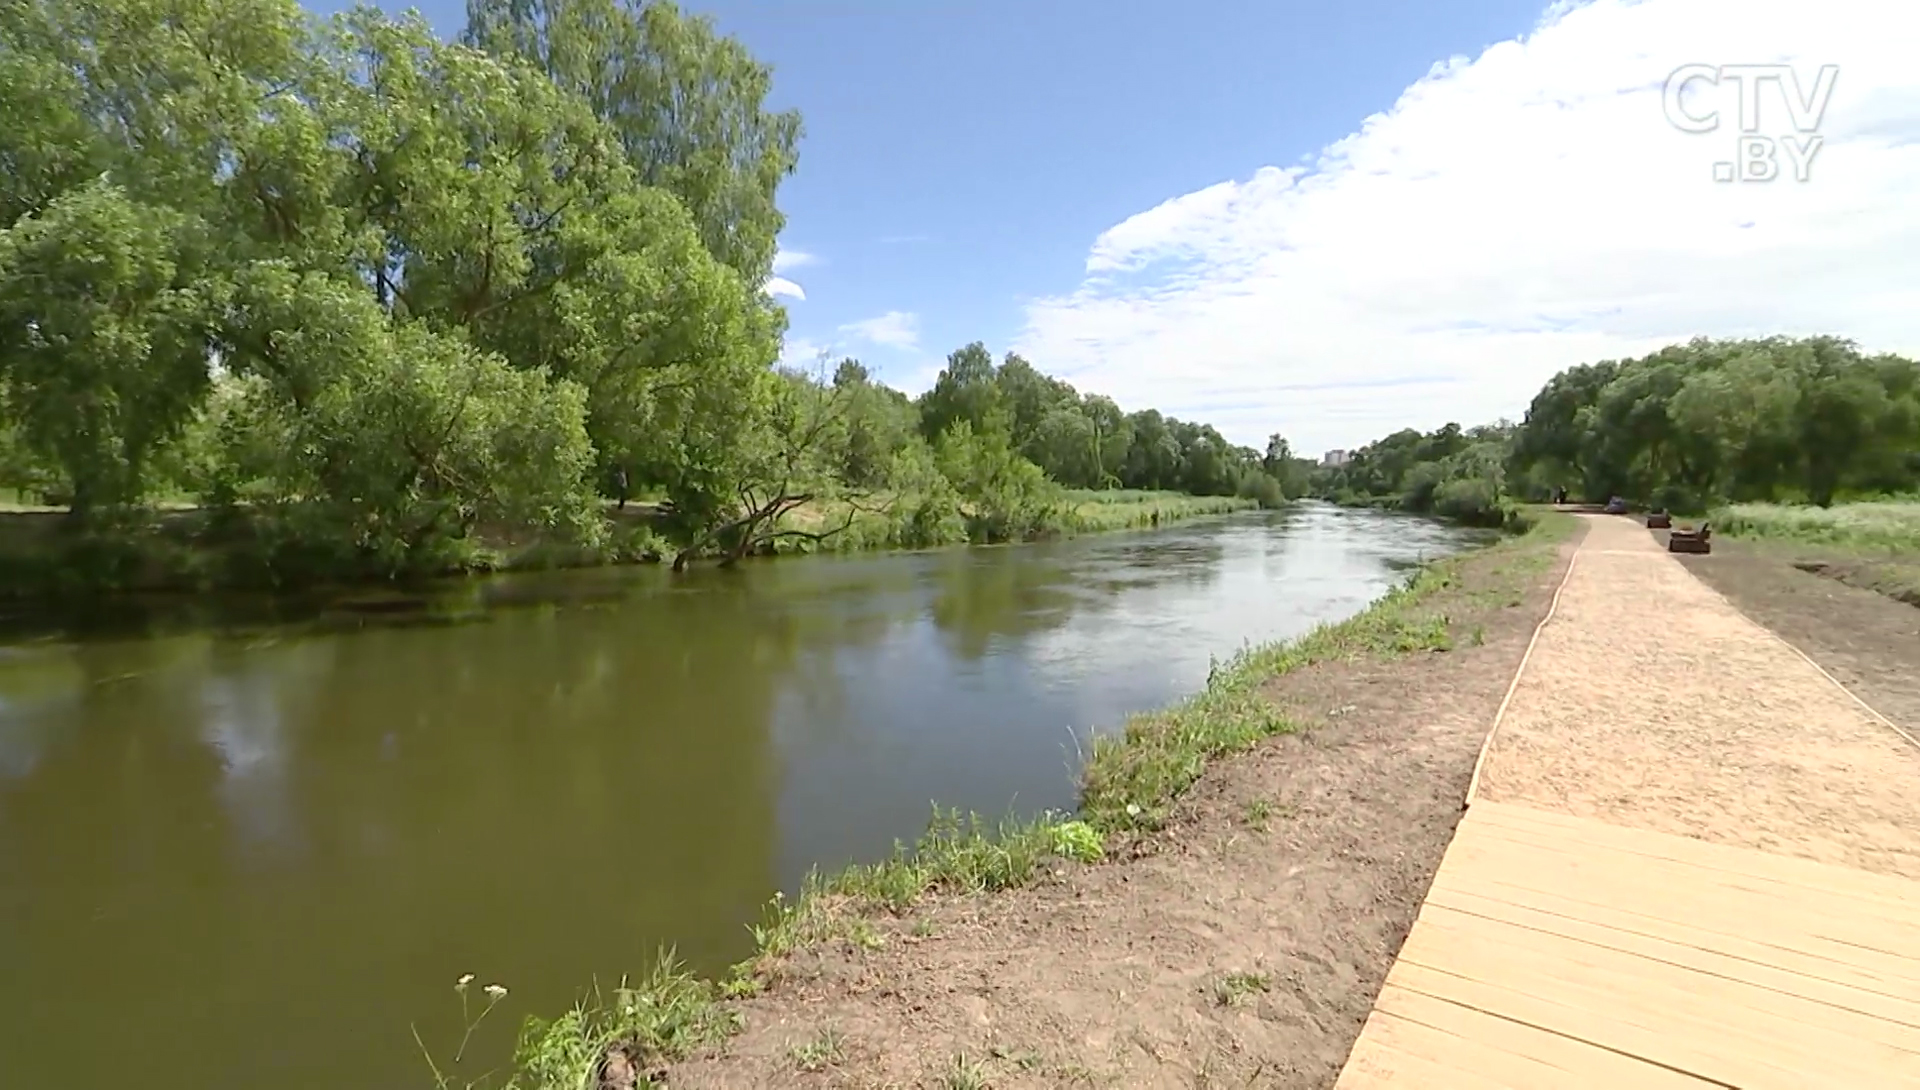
<point>1329,220</point>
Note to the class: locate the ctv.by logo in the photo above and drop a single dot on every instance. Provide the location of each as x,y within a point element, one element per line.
<point>1755,154</point>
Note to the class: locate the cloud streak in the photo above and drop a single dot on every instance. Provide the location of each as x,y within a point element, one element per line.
<point>1510,215</point>
<point>894,329</point>
<point>785,260</point>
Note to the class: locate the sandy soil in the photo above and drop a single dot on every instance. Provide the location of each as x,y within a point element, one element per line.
<point>1243,948</point>
<point>1862,635</point>
<point>1651,701</point>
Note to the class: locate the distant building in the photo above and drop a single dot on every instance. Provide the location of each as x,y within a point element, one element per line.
<point>1337,458</point>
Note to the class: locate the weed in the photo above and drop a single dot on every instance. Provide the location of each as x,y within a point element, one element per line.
<point>1235,989</point>
<point>961,1073</point>
<point>494,993</point>
<point>1077,840</point>
<point>822,1052</point>
<point>861,933</point>
<point>1258,811</point>
<point>668,1014</point>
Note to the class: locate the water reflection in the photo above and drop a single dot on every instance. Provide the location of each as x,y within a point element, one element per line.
<point>268,838</point>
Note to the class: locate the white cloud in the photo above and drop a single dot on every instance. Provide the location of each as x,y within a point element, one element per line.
<point>804,353</point>
<point>1509,216</point>
<point>784,259</point>
<point>894,329</point>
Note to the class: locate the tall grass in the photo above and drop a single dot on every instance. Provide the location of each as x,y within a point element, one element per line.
<point>1892,525</point>
<point>1129,785</point>
<point>1127,509</point>
<point>888,523</point>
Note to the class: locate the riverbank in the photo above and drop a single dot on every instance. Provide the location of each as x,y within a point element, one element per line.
<point>181,549</point>
<point>1135,940</point>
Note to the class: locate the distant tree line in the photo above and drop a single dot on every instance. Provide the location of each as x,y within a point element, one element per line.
<point>1688,427</point>
<point>1454,473</point>
<point>367,297</point>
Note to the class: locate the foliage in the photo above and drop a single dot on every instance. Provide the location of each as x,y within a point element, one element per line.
<point>102,342</point>
<point>380,305</point>
<point>1449,472</point>
<point>1684,429</point>
<point>1712,421</point>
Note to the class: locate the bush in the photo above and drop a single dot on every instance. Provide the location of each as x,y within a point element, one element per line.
<point>1263,490</point>
<point>1473,501</point>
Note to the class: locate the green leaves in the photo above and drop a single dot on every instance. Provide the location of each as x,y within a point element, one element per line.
<point>685,104</point>
<point>385,292</point>
<point>1741,420</point>
<point>101,337</point>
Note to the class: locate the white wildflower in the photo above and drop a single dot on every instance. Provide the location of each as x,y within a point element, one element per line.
<point>464,981</point>
<point>495,992</point>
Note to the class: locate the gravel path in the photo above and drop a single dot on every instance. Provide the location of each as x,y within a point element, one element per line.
<point>1650,701</point>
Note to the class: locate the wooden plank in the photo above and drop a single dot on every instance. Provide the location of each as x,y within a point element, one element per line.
<point>1761,964</point>
<point>1663,1048</point>
<point>1566,831</point>
<point>1417,1040</point>
<point>1392,1054</point>
<point>1810,919</point>
<point>1455,934</point>
<point>1742,1035</point>
<point>1827,946</point>
<point>1882,945</point>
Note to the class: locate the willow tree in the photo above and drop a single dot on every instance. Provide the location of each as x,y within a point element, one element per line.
<point>686,103</point>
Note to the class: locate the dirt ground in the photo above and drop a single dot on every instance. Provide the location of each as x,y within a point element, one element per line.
<point>1242,949</point>
<point>1652,702</point>
<point>1827,604</point>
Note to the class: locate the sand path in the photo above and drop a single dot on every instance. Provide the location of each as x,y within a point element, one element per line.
<point>1651,702</point>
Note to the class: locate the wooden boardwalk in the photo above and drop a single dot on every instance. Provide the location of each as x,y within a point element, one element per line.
<point>1558,952</point>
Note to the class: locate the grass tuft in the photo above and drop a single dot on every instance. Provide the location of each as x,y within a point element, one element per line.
<point>820,1053</point>
<point>665,1016</point>
<point>1235,989</point>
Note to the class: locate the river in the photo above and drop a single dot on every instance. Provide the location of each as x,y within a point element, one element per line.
<point>240,852</point>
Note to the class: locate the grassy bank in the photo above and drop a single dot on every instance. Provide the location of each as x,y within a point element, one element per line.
<point>1130,782</point>
<point>183,548</point>
<point>1874,545</point>
<point>1887,525</point>
<point>887,523</point>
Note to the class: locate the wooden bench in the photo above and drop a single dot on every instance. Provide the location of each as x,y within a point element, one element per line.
<point>1691,541</point>
<point>1659,520</point>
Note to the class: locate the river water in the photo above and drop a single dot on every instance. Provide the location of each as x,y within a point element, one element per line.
<point>239,852</point>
